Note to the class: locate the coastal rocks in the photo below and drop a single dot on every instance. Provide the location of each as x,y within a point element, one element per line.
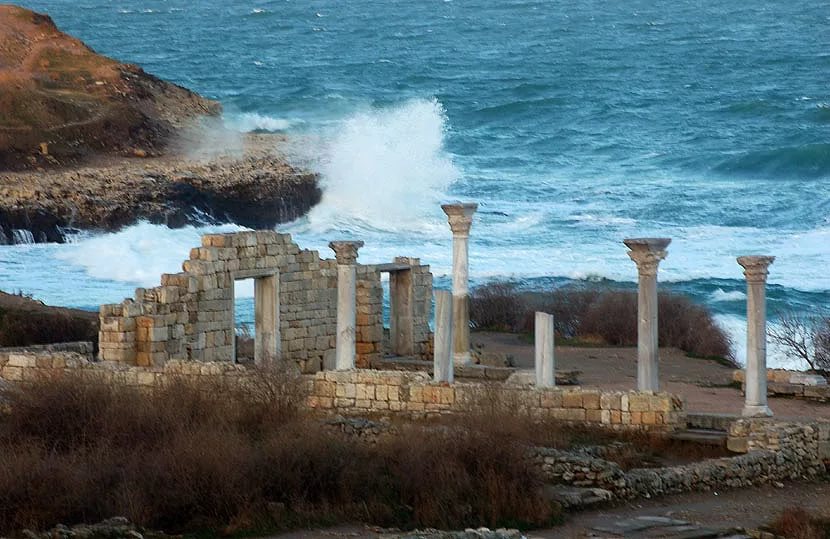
<point>480,533</point>
<point>112,528</point>
<point>255,188</point>
<point>61,103</point>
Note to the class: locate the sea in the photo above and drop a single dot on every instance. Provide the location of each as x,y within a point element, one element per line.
<point>574,125</point>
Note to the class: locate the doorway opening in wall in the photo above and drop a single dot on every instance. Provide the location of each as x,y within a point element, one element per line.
<point>244,323</point>
<point>398,289</point>
<point>256,316</point>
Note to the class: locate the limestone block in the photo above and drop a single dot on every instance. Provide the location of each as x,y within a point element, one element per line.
<point>594,415</point>
<point>591,400</point>
<point>572,399</point>
<point>23,361</point>
<point>639,402</point>
<point>574,414</point>
<point>807,379</point>
<point>551,398</point>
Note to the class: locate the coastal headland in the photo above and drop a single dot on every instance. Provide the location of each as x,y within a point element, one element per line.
<point>87,142</point>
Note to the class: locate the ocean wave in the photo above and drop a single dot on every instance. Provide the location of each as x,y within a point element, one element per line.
<point>252,121</point>
<point>721,295</point>
<point>807,161</point>
<point>143,252</point>
<point>385,169</point>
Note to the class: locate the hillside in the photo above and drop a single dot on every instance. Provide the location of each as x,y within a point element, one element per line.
<point>61,103</point>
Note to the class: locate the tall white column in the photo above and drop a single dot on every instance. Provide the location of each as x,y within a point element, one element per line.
<point>647,254</point>
<point>545,365</point>
<point>460,218</point>
<point>442,359</point>
<point>346,254</point>
<point>756,271</point>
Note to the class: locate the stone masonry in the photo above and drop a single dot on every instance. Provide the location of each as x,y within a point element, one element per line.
<point>191,315</point>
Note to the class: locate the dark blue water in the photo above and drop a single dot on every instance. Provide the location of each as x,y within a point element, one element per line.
<point>574,124</point>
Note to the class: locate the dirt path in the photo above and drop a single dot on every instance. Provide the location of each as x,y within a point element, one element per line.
<point>703,383</point>
<point>744,508</point>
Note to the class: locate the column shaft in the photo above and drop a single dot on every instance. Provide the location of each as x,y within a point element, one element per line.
<point>545,366</point>
<point>346,317</point>
<point>648,378</point>
<point>443,356</point>
<point>460,219</point>
<point>346,254</point>
<point>647,254</point>
<point>755,270</point>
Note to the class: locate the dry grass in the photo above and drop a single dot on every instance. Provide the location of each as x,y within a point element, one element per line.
<point>230,459</point>
<point>797,523</point>
<point>599,316</point>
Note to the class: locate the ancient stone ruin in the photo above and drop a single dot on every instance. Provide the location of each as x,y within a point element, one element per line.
<point>326,316</point>
<point>190,316</point>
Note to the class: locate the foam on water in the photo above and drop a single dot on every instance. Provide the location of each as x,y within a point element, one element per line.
<point>722,295</point>
<point>252,121</point>
<point>384,169</point>
<point>136,255</point>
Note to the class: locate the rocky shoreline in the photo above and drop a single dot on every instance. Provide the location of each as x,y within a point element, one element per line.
<point>253,187</point>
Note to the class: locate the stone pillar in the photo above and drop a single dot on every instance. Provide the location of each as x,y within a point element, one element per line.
<point>755,270</point>
<point>545,374</point>
<point>443,351</point>
<point>647,254</point>
<point>346,254</point>
<point>460,217</point>
<point>267,319</point>
<point>401,303</point>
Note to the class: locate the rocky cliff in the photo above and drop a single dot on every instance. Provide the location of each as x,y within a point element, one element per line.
<point>89,143</point>
<point>61,103</point>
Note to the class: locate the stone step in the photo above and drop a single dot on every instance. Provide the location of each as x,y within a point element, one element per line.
<point>702,436</point>
<point>571,497</point>
<point>710,421</point>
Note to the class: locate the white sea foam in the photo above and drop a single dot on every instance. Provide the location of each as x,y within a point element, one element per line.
<point>252,121</point>
<point>138,254</point>
<point>385,170</point>
<point>722,295</point>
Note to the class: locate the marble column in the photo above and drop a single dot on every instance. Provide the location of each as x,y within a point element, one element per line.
<point>460,217</point>
<point>756,271</point>
<point>346,254</point>
<point>647,254</point>
<point>442,358</point>
<point>543,330</point>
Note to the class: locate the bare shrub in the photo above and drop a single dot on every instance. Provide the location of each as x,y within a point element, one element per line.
<point>797,523</point>
<point>600,315</point>
<point>193,456</point>
<point>496,306</point>
<point>806,337</point>
<point>24,328</point>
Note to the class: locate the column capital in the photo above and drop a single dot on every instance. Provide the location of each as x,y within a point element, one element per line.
<point>460,216</point>
<point>345,251</point>
<point>755,267</point>
<point>647,253</point>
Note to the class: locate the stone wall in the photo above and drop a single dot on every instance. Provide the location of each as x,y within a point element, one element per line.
<point>413,394</point>
<point>24,363</point>
<point>791,384</point>
<point>190,315</point>
<point>777,452</point>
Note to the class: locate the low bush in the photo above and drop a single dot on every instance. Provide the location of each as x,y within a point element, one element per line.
<point>601,315</point>
<point>797,523</point>
<point>242,458</point>
<point>24,328</point>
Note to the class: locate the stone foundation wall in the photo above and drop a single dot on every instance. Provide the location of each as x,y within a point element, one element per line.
<point>190,316</point>
<point>367,392</point>
<point>413,394</point>
<point>779,452</point>
<point>791,384</point>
